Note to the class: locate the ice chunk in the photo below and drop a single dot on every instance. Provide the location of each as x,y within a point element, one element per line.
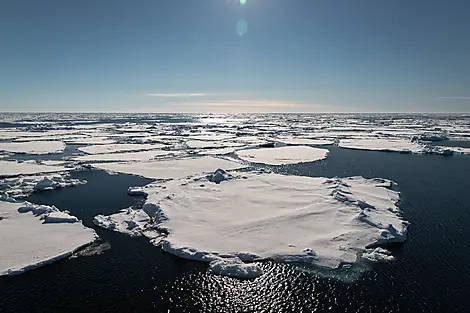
<point>433,137</point>
<point>128,221</point>
<point>235,268</point>
<point>29,240</point>
<point>60,217</point>
<point>33,147</point>
<point>283,155</point>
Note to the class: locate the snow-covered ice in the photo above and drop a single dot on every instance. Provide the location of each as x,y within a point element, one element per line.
<point>35,235</point>
<point>11,188</point>
<point>127,221</point>
<point>283,155</point>
<point>168,169</point>
<point>33,147</point>
<point>14,168</point>
<point>253,216</point>
<point>130,156</point>
<point>123,147</point>
<point>382,144</point>
<point>305,141</point>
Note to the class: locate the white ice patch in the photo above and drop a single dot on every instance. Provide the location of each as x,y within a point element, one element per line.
<point>168,169</point>
<point>33,147</point>
<point>283,155</point>
<point>131,156</point>
<point>34,235</point>
<point>14,168</point>
<point>124,147</point>
<point>382,144</point>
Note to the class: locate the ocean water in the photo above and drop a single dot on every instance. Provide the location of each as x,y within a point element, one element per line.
<point>431,272</point>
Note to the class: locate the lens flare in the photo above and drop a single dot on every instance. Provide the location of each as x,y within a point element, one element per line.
<point>242,2</point>
<point>242,27</point>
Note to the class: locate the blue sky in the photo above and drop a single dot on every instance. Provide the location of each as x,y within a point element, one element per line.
<point>189,56</point>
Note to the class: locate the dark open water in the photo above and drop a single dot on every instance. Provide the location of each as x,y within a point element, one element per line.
<point>431,273</point>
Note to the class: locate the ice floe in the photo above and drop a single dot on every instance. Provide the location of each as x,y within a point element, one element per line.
<point>382,144</point>
<point>170,169</point>
<point>283,155</point>
<point>35,235</point>
<point>15,168</point>
<point>102,149</point>
<point>33,147</point>
<point>226,219</point>
<point>131,156</point>
<point>305,141</point>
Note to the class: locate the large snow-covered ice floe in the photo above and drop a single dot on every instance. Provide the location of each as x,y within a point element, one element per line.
<point>33,147</point>
<point>283,155</point>
<point>123,147</point>
<point>227,220</point>
<point>35,235</point>
<point>15,168</point>
<point>382,144</point>
<point>129,156</point>
<point>168,169</point>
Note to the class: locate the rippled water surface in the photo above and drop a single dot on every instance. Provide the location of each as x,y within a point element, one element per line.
<point>431,272</point>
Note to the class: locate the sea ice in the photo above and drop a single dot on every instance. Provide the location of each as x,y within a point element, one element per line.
<point>123,147</point>
<point>382,144</point>
<point>14,168</point>
<point>253,216</point>
<point>304,141</point>
<point>168,169</point>
<point>33,147</point>
<point>33,236</point>
<point>130,156</point>
<point>283,155</point>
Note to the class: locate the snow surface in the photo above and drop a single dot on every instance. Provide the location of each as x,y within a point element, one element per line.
<point>33,147</point>
<point>12,168</point>
<point>283,155</point>
<point>33,235</point>
<point>305,141</point>
<point>131,156</point>
<point>170,169</point>
<point>123,147</point>
<point>321,221</point>
<point>382,144</point>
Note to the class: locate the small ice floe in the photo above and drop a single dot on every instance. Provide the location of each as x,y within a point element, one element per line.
<point>33,147</point>
<point>382,144</point>
<point>283,155</point>
<point>35,235</point>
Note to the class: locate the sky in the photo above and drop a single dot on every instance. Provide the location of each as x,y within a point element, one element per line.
<point>235,56</point>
